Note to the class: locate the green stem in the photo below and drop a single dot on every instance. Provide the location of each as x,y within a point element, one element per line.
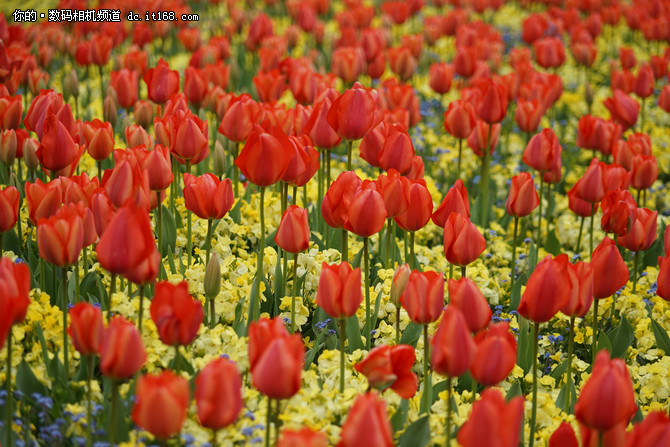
<point>213,441</point>
<point>600,439</point>
<point>539,214</point>
<point>320,190</point>
<point>261,252</point>
<point>189,218</point>
<point>236,175</point>
<point>533,414</point>
<point>89,398</point>
<point>426,371</point>
<point>295,289</point>
<point>593,213</point>
<point>212,312</point>
<point>595,331</point>
<point>99,164</point>
<point>463,270</point>
<point>159,229</point>
<point>389,223</point>
<point>484,179</point>
<point>112,289</point>
<point>579,238</point>
<point>449,385</point>
<point>343,325</point>
<point>514,246</point>
<point>42,275</point>
<point>294,194</point>
<point>65,302</point>
<point>366,272</point>
<point>460,156</point>
<point>76,281</point>
<point>451,271</point>
<point>571,340</point>
<point>173,185</point>
<point>267,423</point>
<point>102,93</point>
<point>397,326</point>
<point>112,413</point>
<point>209,239</point>
<point>635,264</point>
<point>412,258</point>
<point>8,388</point>
<point>139,323</point>
<point>345,245</point>
<point>85,259</point>
<point>350,146</point>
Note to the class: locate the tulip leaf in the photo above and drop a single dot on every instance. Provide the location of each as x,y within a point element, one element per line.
<point>51,366</point>
<point>532,257</point>
<point>524,348</point>
<point>515,297</point>
<point>560,400</point>
<point>91,287</point>
<point>235,212</point>
<point>27,383</point>
<point>358,259</point>
<point>353,332</point>
<point>604,343</point>
<point>314,236</point>
<point>169,227</point>
<point>270,239</point>
<point>238,323</point>
<point>559,371</point>
<point>514,390</point>
<point>254,296</point>
<point>411,334</point>
<point>621,338</point>
<point>312,353</point>
<point>416,435</point>
<point>650,256</point>
<point>661,335</point>
<point>400,416</point>
<point>551,244</point>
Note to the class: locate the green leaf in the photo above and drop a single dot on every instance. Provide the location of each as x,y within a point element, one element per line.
<point>525,346</point>
<point>235,212</point>
<point>514,390</point>
<point>515,297</point>
<point>26,381</point>
<point>559,371</point>
<point>562,396</point>
<point>400,416</point>
<point>91,286</point>
<point>603,343</point>
<point>169,228</point>
<point>238,323</point>
<point>650,257</point>
<point>411,334</point>
<point>317,240</point>
<point>357,259</point>
<point>254,297</point>
<point>662,339</point>
<point>318,345</point>
<point>353,334</point>
<point>551,244</point>
<point>416,435</point>
<point>532,257</point>
<point>621,338</point>
<point>373,317</point>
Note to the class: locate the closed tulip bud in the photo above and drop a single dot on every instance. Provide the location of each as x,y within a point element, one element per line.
<point>61,237</point>
<point>618,208</point>
<point>208,197</point>
<point>366,214</point>
<point>348,63</point>
<point>302,438</point>
<point>543,151</point>
<point>265,155</point>
<point>394,189</point>
<point>9,208</point>
<point>493,418</point>
<point>463,243</point>
<point>459,119</point>
<point>14,301</point>
<point>143,113</point>
<point>356,102</point>
<point>581,290</point>
<point>339,292</point>
<point>57,148</point>
<point>219,159</point>
<point>455,201</point>
<point>30,154</point>
<point>493,102</point>
<point>623,108</point>
<point>466,296</point>
<point>479,140</point>
<point>212,282</point>
<point>122,353</point>
<point>336,203</point>
<point>177,314</point>
<point>420,207</point>
<point>495,356</point>
<point>664,98</point>
<point>319,129</point>
<point>218,394</point>
<point>523,197</point>
<point>440,76</point>
<point>161,403</point>
<point>8,147</point>
<point>652,431</point>
<point>399,284</point>
<point>453,348</point>
<point>275,358</point>
<point>528,114</point>
<point>86,328</point>
<point>545,292</point>
<point>615,177</point>
<point>293,231</point>
<point>563,436</point>
<point>609,269</point>
<point>397,152</point>
<point>642,231</point>
<point>607,398</point>
<point>549,52</point>
<point>591,186</point>
<point>588,94</point>
<point>390,367</point>
<point>109,110</point>
<point>367,423</point>
<point>644,171</point>
<point>161,82</point>
<point>125,84</point>
<point>643,86</point>
<point>423,298</point>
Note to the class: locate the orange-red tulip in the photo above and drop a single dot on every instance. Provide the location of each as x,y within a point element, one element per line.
<point>623,108</point>
<point>390,367</point>
<point>463,243</point>
<point>293,231</point>
<point>581,290</point>
<point>354,113</point>
<point>563,436</point>
<point>423,298</point>
<point>642,231</point>
<point>549,52</point>
<point>609,269</point>
<point>523,197</point>
<point>367,213</point>
<point>440,75</point>
<point>543,152</point>
<point>336,202</point>
<point>459,119</point>
<point>393,188</point>
<point>98,137</point>
<point>453,348</point>
<point>86,328</point>
<point>125,83</point>
<point>495,356</point>
<point>652,431</point>
<point>339,292</point>
<point>644,171</point>
<point>618,208</point>
<point>265,155</point>
<point>218,394</point>
<point>176,313</point>
<point>302,438</point>
<point>528,114</point>
<point>546,292</point>
<point>466,296</point>
<point>455,201</point>
<point>161,82</point>
<point>14,301</point>
<point>161,403</point>
<point>591,186</point>
<point>122,353</point>
<point>493,418</point>
<point>420,207</point>
<point>367,423</point>
<point>208,197</point>
<point>397,151</point>
<point>9,208</point>
<point>60,237</point>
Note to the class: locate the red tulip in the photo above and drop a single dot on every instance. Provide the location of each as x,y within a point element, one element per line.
<point>545,292</point>
<point>642,231</point>
<point>177,314</point>
<point>493,419</point>
<point>664,98</point>
<point>354,114</point>
<point>495,356</point>
<point>121,351</point>
<point>399,284</point>
<point>402,62</point>
<point>654,430</point>
<point>423,298</point>
<point>161,82</point>
<point>627,58</point>
<point>528,114</point>
<point>208,197</point>
<point>455,201</point>
<point>48,102</point>
<point>269,85</point>
<point>543,152</point>
<point>420,207</point>
<point>366,214</point>
<point>663,279</point>
<point>394,188</point>
<point>607,398</point>
<point>302,438</point>
<point>623,108</point>
<point>453,349</point>
<point>57,149</point>
<point>275,358</point>
<point>44,199</point>
<point>98,137</point>
<point>60,237</point>
<point>339,292</point>
<point>440,75</point>
<point>459,119</point>
<point>14,301</point>
<point>523,197</point>
<point>591,186</point>
<point>584,52</point>
<point>319,129</point>
<point>11,111</point>
<point>615,177</point>
<point>195,85</point>
<point>218,394</point>
<point>397,151</point>
<point>463,243</point>
<point>615,437</point>
<point>265,155</point>
<point>293,231</point>
<point>127,182</point>
<point>125,84</point>
<point>390,367</point>
<point>581,290</point>
<point>549,52</point>
<point>618,209</point>
<point>563,436</point>
<point>348,63</point>
<point>86,328</point>
<point>188,138</point>
<point>609,269</point>
<point>162,401</point>
<point>158,165</point>
<point>643,86</point>
<point>367,423</point>
<point>336,202</point>
<point>479,140</point>
<point>9,208</point>
<point>597,134</point>
<point>466,296</point>
<point>644,171</point>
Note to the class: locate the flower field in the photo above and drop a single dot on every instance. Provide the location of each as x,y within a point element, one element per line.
<point>352,223</point>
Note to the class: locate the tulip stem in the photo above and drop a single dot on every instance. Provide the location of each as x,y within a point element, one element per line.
<point>593,213</point>
<point>139,323</point>
<point>295,289</point>
<point>42,275</point>
<point>366,272</point>
<point>451,271</point>
<point>76,281</point>
<point>189,218</point>
<point>449,385</point>
<point>397,326</point>
<point>294,194</point>
<point>635,264</point>
<point>539,213</point>
<point>426,371</point>
<point>261,252</point>
<point>65,301</point>
<point>236,175</point>
<point>267,423</point>
<point>345,245</point>
<point>213,442</point>
<point>99,164</point>
<point>159,229</point>
<point>8,388</point>
<point>533,414</point>
<point>112,413</point>
<point>112,289</point>
<point>595,331</point>
<point>350,146</point>
<point>389,224</point>
<point>579,238</point>
<point>513,263</point>
<point>460,156</point>
<point>343,325</point>
<point>102,92</point>
<point>571,339</point>
<point>600,439</point>
<point>89,404</point>
<point>484,179</point>
<point>463,271</point>
<point>412,257</point>
<point>208,243</point>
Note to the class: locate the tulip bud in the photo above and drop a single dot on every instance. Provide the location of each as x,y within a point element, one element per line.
<point>71,85</point>
<point>143,113</point>
<point>29,153</point>
<point>109,110</point>
<point>588,94</point>
<point>8,147</point>
<point>111,91</point>
<point>399,283</point>
<point>219,157</point>
<point>213,276</point>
